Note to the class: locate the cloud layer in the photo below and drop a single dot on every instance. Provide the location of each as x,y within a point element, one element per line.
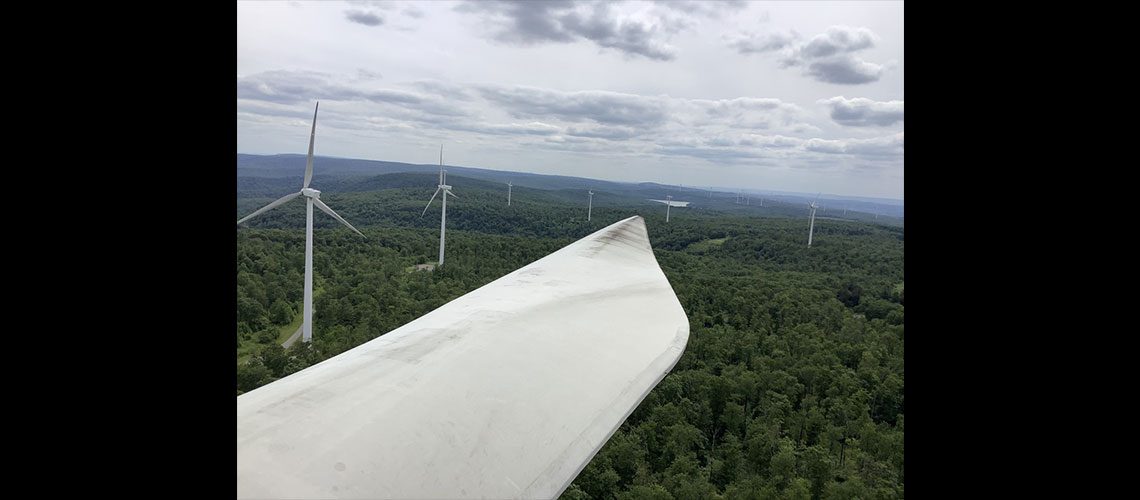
<point>720,131</point>
<point>565,21</point>
<point>365,18</point>
<point>827,57</point>
<point>862,112</point>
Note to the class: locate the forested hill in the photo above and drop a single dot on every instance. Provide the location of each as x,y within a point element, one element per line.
<point>791,385</point>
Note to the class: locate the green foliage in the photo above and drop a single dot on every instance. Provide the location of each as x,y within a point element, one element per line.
<point>791,385</point>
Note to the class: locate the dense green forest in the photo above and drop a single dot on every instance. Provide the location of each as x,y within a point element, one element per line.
<point>791,385</point>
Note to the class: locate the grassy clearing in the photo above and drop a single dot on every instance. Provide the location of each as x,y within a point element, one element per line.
<point>288,330</point>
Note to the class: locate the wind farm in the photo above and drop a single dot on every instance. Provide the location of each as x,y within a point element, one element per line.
<point>505,343</point>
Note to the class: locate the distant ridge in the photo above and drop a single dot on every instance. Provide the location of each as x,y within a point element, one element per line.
<point>262,172</point>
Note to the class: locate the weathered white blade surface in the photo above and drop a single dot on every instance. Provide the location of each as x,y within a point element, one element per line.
<point>320,204</point>
<point>506,392</point>
<point>309,159</point>
<point>269,207</point>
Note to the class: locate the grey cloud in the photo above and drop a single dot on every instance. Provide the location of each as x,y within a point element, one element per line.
<point>879,146</point>
<point>413,12</point>
<point>603,107</point>
<point>365,18</point>
<point>771,141</point>
<point>838,39</point>
<point>711,154</point>
<point>283,87</point>
<point>530,23</point>
<point>846,70</point>
<point>533,128</point>
<point>755,43</point>
<point>629,37</point>
<point>289,87</point>
<point>749,112</point>
<point>862,112</point>
<point>604,132</point>
<point>828,57</point>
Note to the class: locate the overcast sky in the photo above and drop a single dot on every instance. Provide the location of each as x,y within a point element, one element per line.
<point>792,96</point>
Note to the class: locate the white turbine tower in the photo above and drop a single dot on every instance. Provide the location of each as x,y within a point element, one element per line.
<point>590,209</point>
<point>811,227</point>
<point>508,193</point>
<point>668,205</point>
<point>446,192</point>
<point>312,197</point>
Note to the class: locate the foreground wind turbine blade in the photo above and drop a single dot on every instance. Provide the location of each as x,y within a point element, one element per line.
<point>429,201</point>
<point>320,204</point>
<point>453,195</point>
<point>505,392</point>
<point>270,206</point>
<point>312,136</point>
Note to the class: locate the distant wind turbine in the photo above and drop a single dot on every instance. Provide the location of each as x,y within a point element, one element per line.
<point>590,208</point>
<point>508,193</point>
<point>668,205</point>
<point>811,227</point>
<point>312,197</point>
<point>446,192</point>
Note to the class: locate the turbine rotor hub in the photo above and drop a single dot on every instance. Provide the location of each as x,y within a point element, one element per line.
<point>311,193</point>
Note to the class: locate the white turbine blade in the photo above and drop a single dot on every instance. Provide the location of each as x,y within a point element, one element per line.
<point>270,206</point>
<point>312,136</point>
<point>320,204</point>
<point>441,163</point>
<point>401,416</point>
<point>453,195</point>
<point>429,201</point>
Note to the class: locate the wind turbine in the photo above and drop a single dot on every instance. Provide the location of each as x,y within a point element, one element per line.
<point>811,227</point>
<point>446,192</point>
<point>508,192</point>
<point>590,209</point>
<point>312,197</point>
<point>668,204</point>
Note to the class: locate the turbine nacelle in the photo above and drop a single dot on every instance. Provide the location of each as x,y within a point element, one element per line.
<point>311,193</point>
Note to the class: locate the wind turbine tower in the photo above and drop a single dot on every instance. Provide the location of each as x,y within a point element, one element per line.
<point>312,197</point>
<point>446,192</point>
<point>590,208</point>
<point>508,193</point>
<point>668,205</point>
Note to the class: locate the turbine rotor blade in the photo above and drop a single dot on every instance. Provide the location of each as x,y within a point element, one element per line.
<point>429,201</point>
<point>453,195</point>
<point>270,206</point>
<point>312,136</point>
<point>320,204</point>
